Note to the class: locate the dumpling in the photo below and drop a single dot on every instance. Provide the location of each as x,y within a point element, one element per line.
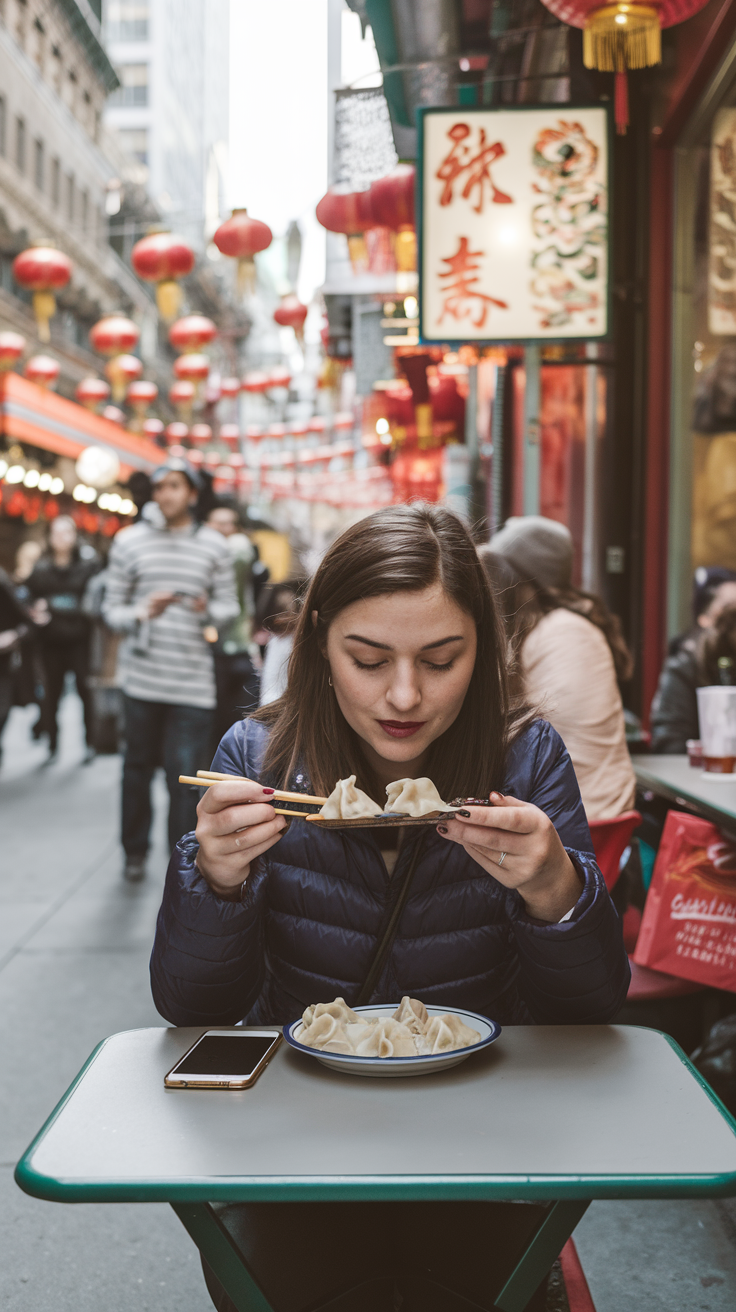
<point>412,1013</point>
<point>414,797</point>
<point>346,802</point>
<point>327,1033</point>
<point>387,1038</point>
<point>339,1009</point>
<point>446,1033</point>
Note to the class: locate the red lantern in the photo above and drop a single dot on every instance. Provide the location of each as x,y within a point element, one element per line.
<point>254,432</point>
<point>317,425</point>
<point>181,393</point>
<point>43,271</point>
<point>152,429</point>
<point>92,392</point>
<point>139,396</point>
<point>230,434</point>
<point>176,432</point>
<point>392,203</point>
<point>12,346</point>
<point>192,333</point>
<point>201,434</point>
<point>241,238</point>
<point>279,377</point>
<point>195,368</point>
<point>256,381</point>
<point>114,335</point>
<point>113,414</point>
<point>351,213</point>
<point>230,387</point>
<point>291,313</point>
<point>621,35</point>
<point>42,370</point>
<point>194,457</point>
<point>163,258</point>
<point>122,370</point>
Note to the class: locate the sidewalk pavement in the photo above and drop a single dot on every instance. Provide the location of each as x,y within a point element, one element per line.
<point>74,948</point>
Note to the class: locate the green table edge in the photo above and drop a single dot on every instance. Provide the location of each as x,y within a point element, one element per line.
<point>373,1188</point>
<point>648,779</point>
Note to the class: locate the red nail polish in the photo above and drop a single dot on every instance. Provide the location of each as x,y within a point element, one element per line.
<point>269,791</point>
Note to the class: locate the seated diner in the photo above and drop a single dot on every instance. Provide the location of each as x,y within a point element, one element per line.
<point>398,672</point>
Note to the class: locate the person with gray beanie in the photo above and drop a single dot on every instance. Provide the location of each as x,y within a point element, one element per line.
<point>567,655</point>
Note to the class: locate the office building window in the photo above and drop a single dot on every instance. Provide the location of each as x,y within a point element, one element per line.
<point>3,146</point>
<point>38,163</point>
<point>55,181</point>
<point>133,89</point>
<point>70,197</point>
<point>20,144</point>
<point>135,143</point>
<point>126,20</point>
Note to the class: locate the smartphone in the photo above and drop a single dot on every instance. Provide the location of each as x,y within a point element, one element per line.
<point>224,1059</point>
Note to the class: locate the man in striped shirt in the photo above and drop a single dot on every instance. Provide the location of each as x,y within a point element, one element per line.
<point>170,586</point>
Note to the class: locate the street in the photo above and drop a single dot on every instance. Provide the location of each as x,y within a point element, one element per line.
<point>74,947</point>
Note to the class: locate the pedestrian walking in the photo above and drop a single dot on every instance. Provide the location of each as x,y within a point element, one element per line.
<point>59,580</point>
<point>169,579</point>
<point>278,615</point>
<point>15,626</point>
<point>237,677</point>
<point>567,656</point>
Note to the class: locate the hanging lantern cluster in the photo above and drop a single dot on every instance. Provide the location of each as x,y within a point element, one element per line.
<point>387,204</point>
<point>622,35</point>
<point>43,271</point>
<point>163,258</point>
<point>12,346</point>
<point>242,237</point>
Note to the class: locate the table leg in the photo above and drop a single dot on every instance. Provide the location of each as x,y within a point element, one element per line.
<point>541,1252</point>
<point>215,1244</point>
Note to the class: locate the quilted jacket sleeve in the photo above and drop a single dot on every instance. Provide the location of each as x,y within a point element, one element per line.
<point>207,964</point>
<point>575,972</point>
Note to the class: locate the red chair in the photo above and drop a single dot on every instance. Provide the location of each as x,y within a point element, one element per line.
<point>610,840</point>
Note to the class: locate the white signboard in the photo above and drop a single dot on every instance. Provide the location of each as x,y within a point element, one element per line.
<point>514,225</point>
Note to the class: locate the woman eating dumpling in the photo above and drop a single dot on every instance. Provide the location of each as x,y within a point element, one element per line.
<point>397,672</point>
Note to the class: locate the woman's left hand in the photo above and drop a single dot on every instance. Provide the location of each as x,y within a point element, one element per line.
<point>518,844</point>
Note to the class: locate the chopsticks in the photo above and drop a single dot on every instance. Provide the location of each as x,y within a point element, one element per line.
<point>207,783</point>
<point>278,793</point>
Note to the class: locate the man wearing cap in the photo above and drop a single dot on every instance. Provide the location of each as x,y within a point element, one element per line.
<point>170,587</point>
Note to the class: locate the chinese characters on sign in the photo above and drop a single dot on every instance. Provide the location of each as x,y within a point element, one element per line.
<point>514,224</point>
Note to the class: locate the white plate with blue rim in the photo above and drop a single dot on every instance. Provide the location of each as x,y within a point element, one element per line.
<point>487,1030</point>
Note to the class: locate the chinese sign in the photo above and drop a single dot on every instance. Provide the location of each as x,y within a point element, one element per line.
<point>514,224</point>
<point>722,261</point>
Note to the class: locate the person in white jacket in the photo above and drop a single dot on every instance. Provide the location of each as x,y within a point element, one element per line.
<point>567,655</point>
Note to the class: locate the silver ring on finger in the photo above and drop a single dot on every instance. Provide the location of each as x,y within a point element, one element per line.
<point>501,859</point>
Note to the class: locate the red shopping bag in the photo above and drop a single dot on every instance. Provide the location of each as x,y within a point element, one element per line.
<point>689,923</point>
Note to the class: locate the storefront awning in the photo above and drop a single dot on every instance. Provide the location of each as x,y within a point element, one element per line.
<point>43,419</point>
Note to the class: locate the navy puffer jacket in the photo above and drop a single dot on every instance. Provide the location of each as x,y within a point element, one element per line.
<point>307,928</point>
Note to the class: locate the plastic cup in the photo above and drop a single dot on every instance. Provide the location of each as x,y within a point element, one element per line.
<point>717,717</point>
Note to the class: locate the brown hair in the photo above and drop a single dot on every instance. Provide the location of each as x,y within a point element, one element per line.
<point>398,549</point>
<point>524,602</point>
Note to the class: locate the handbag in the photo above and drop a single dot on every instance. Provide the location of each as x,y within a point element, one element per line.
<point>388,928</point>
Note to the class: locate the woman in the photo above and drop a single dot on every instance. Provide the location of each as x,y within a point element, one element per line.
<point>567,656</point>
<point>276,620</point>
<point>675,704</point>
<point>397,670</point>
<point>60,579</point>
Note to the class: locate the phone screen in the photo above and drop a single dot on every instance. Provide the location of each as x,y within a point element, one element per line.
<point>231,1055</point>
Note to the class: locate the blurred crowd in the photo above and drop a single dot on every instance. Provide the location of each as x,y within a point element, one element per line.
<point>180,632</point>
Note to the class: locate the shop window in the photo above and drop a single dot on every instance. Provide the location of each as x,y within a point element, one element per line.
<point>135,143</point>
<point>126,20</point>
<point>38,163</point>
<point>133,89</point>
<point>20,144</point>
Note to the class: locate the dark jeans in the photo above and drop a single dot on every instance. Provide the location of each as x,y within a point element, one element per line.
<point>6,698</point>
<point>57,658</point>
<point>378,1257</point>
<point>177,737</point>
<point>238,687</point>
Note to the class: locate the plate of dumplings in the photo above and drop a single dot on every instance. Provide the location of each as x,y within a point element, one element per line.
<point>408,802</point>
<point>389,1040</point>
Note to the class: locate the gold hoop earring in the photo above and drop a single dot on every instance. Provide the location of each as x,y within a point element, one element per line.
<point>329,679</point>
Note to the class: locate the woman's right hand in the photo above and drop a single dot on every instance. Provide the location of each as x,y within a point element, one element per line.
<point>236,823</point>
